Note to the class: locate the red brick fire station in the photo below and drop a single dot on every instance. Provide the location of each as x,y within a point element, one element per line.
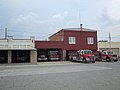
<point>66,42</point>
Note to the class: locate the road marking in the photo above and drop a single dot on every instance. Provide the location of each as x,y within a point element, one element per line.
<point>49,70</point>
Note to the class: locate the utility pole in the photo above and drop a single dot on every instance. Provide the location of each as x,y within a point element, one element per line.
<point>80,23</point>
<point>6,33</point>
<point>109,42</point>
<point>80,20</point>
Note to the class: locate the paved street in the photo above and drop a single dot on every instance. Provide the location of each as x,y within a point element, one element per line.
<point>60,76</point>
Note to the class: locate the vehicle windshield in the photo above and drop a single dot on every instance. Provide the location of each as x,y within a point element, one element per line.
<point>53,52</point>
<point>106,52</point>
<point>87,52</point>
<point>110,52</point>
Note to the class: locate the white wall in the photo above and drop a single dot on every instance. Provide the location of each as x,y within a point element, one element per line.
<point>11,43</point>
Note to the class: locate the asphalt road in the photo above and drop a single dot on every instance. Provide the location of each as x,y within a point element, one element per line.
<point>61,76</point>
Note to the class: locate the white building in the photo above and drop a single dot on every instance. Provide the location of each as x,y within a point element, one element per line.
<point>115,47</point>
<point>17,50</point>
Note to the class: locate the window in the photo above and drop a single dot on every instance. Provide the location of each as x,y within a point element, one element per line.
<point>90,40</point>
<point>72,40</point>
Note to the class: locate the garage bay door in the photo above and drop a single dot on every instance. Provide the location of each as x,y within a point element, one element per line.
<point>20,56</point>
<point>3,56</point>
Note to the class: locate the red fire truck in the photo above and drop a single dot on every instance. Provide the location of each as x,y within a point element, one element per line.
<point>84,56</point>
<point>105,55</point>
<point>54,55</point>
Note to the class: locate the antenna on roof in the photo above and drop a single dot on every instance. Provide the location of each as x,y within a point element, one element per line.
<point>6,33</point>
<point>80,20</point>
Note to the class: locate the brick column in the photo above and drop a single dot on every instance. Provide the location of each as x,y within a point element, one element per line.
<point>63,55</point>
<point>33,56</point>
<point>9,56</point>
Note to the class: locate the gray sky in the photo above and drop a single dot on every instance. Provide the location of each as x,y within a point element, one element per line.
<point>42,18</point>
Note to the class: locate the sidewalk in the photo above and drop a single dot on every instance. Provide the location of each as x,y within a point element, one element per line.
<point>52,63</point>
<point>55,62</point>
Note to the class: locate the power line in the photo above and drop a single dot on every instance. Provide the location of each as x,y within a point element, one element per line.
<point>27,33</point>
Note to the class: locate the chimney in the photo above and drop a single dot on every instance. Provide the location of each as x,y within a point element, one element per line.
<point>81,26</point>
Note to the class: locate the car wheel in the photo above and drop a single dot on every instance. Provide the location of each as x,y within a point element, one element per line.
<point>84,60</point>
<point>108,60</point>
<point>93,61</point>
<point>71,59</point>
<point>116,60</point>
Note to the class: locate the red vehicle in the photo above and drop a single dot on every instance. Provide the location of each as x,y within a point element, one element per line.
<point>54,55</point>
<point>105,55</point>
<point>84,56</point>
<point>41,56</point>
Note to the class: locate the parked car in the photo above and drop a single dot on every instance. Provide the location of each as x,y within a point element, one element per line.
<point>41,56</point>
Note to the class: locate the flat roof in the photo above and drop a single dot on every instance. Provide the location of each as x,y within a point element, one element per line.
<point>74,29</point>
<point>79,29</point>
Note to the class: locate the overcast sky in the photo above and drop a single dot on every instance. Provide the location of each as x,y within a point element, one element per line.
<point>42,18</point>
